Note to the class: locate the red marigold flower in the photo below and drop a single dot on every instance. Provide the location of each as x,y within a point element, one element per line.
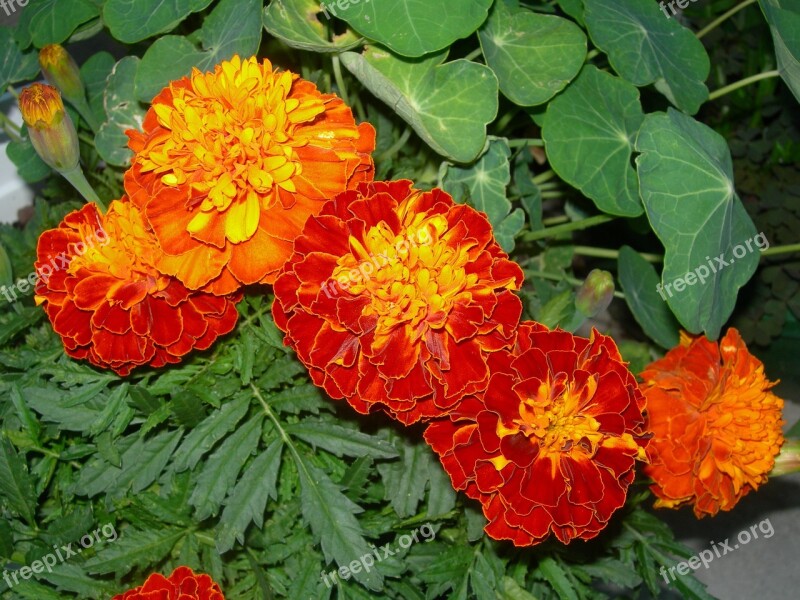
<point>182,584</point>
<point>232,163</point>
<point>550,446</point>
<point>396,296</point>
<point>716,426</point>
<point>108,302</point>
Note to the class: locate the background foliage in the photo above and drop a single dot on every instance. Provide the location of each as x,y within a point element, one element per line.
<point>553,118</point>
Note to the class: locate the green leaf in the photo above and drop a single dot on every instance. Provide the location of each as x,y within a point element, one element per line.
<point>644,48</point>
<point>220,471</point>
<point>145,460</point>
<point>340,440</point>
<point>483,186</point>
<point>589,132</point>
<point>405,479</point>
<point>248,500</point>
<point>686,179</point>
<point>640,283</point>
<point>135,548</point>
<point>448,105</point>
<point>72,578</point>
<point>213,428</point>
<point>123,111</point>
<point>233,27</point>
<point>16,485</point>
<point>556,577</point>
<point>29,166</point>
<point>6,271</point>
<point>533,55</point>
<point>15,65</point>
<point>135,20</point>
<point>331,516</point>
<point>412,27</point>
<point>53,21</point>
<point>295,22</point>
<point>784,25</point>
<point>95,72</point>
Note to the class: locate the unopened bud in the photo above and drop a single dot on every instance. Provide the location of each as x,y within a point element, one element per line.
<point>596,293</point>
<point>788,461</point>
<point>50,129</point>
<point>61,71</point>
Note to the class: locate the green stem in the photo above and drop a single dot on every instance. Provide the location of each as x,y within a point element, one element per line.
<point>506,119</point>
<point>724,16</point>
<point>570,280</point>
<point>608,253</point>
<point>551,194</point>
<point>566,228</point>
<point>82,106</point>
<point>401,141</point>
<point>78,181</point>
<point>555,220</point>
<point>544,176</point>
<point>525,142</point>
<point>474,54</point>
<point>592,53</point>
<point>337,74</point>
<point>741,83</point>
<point>787,249</point>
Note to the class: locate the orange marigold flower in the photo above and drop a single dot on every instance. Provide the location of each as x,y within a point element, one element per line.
<point>716,426</point>
<point>107,301</point>
<point>396,296</point>
<point>550,446</point>
<point>232,163</point>
<point>182,584</point>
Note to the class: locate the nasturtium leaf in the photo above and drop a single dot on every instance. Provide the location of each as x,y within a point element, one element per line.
<point>644,48</point>
<point>783,17</point>
<point>640,282</point>
<point>297,24</point>
<point>95,72</point>
<point>533,55</point>
<point>448,105</point>
<point>233,27</point>
<point>483,186</point>
<point>45,22</point>
<point>29,165</point>
<point>132,21</point>
<point>123,112</point>
<point>15,65</point>
<point>686,179</point>
<point>589,132</point>
<point>411,27</point>
<point>574,8</point>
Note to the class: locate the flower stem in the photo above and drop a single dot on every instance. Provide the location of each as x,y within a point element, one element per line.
<point>741,83</point>
<point>566,228</point>
<point>775,250</point>
<point>337,74</point>
<point>525,142</point>
<point>474,54</point>
<point>723,17</point>
<point>82,106</point>
<point>608,253</point>
<point>544,176</point>
<point>401,141</point>
<point>78,180</point>
<point>570,280</point>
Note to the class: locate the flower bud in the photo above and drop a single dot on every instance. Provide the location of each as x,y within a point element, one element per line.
<point>596,293</point>
<point>50,129</point>
<point>61,71</point>
<point>788,461</point>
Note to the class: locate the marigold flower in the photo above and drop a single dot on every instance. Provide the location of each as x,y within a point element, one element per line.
<point>232,163</point>
<point>716,426</point>
<point>50,129</point>
<point>107,301</point>
<point>182,584</point>
<point>395,296</point>
<point>550,446</point>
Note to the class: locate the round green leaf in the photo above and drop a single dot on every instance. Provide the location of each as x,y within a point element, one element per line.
<point>589,132</point>
<point>15,65</point>
<point>296,23</point>
<point>784,24</point>
<point>123,111</point>
<point>134,20</point>
<point>53,21</point>
<point>233,27</point>
<point>686,183</point>
<point>411,27</point>
<point>639,281</point>
<point>644,48</point>
<point>533,55</point>
<point>448,105</point>
<point>29,165</point>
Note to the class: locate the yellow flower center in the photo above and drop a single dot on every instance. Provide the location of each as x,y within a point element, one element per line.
<point>41,106</point>
<point>231,136</point>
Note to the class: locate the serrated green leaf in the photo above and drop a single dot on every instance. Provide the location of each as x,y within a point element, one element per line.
<point>448,105</point>
<point>339,440</point>
<point>589,133</point>
<point>135,20</point>
<point>640,283</point>
<point>644,48</point>
<point>69,577</point>
<point>134,548</point>
<point>533,55</point>
<point>557,578</point>
<point>145,460</point>
<point>248,500</point>
<point>405,480</point>
<point>220,471</point>
<point>16,485</point>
